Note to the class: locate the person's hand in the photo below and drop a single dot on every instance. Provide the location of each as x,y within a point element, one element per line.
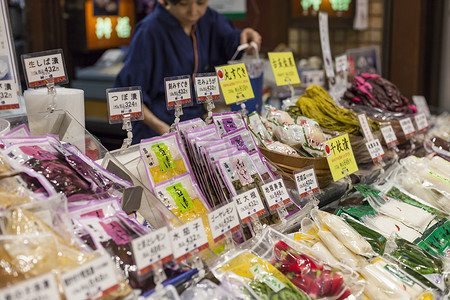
<point>163,128</point>
<point>250,35</point>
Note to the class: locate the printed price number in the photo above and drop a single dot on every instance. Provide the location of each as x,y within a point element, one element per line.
<point>222,220</point>
<point>340,157</point>
<point>375,150</point>
<point>276,194</point>
<point>186,238</point>
<point>306,182</point>
<point>421,122</point>
<point>389,135</point>
<point>178,91</point>
<point>42,287</point>
<point>249,203</point>
<point>124,104</point>
<point>152,248</point>
<point>207,87</point>
<point>407,127</point>
<point>235,83</point>
<point>42,68</point>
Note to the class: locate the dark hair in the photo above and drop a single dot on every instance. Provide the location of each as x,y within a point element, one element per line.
<point>173,2</point>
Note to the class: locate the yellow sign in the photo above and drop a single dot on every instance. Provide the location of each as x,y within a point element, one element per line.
<point>340,157</point>
<point>234,82</point>
<point>284,68</point>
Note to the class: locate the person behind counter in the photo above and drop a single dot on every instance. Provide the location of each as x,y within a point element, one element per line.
<point>180,37</point>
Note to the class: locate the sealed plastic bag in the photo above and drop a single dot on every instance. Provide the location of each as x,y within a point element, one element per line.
<point>229,122</point>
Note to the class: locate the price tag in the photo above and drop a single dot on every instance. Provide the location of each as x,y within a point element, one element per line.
<point>313,77</point>
<point>389,135</point>
<point>42,287</point>
<point>124,103</point>
<point>42,67</point>
<point>92,280</point>
<point>421,105</point>
<point>178,90</point>
<point>340,157</point>
<point>150,249</point>
<point>222,220</point>
<point>306,182</point>
<point>249,203</point>
<point>206,86</point>
<point>187,238</point>
<point>421,122</point>
<point>375,149</point>
<point>365,127</point>
<point>275,193</point>
<point>407,127</point>
<point>325,43</point>
<point>235,84</point>
<point>284,68</point>
<point>341,64</point>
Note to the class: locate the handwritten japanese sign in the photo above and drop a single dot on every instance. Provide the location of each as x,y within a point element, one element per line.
<point>262,275</point>
<point>421,122</point>
<point>306,182</point>
<point>340,157</point>
<point>389,135</point>
<point>124,103</point>
<point>375,150</point>
<point>206,86</point>
<point>44,67</point>
<point>407,127</point>
<point>365,127</point>
<point>275,193</point>
<point>181,197</point>
<point>41,287</point>
<point>249,203</point>
<point>187,238</point>
<point>178,90</point>
<point>90,279</point>
<point>222,220</point>
<point>284,68</point>
<point>152,248</point>
<point>235,83</point>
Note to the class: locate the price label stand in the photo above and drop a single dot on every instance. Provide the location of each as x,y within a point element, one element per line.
<point>178,113</point>
<point>256,225</point>
<point>159,276</point>
<point>51,92</point>
<point>209,107</point>
<point>127,126</point>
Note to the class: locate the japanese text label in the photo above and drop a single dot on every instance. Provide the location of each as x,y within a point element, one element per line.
<point>407,127</point>
<point>365,127</point>
<point>207,87</point>
<point>178,90</point>
<point>340,157</point>
<point>44,67</point>
<point>39,288</point>
<point>124,104</point>
<point>222,220</point>
<point>275,193</point>
<point>375,150</point>
<point>187,238</point>
<point>284,68</point>
<point>389,135</point>
<point>235,83</point>
<point>249,203</point>
<point>421,122</point>
<point>306,182</point>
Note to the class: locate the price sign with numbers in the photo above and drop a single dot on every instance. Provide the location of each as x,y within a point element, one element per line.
<point>222,220</point>
<point>44,67</point>
<point>124,103</point>
<point>186,238</point>
<point>152,248</point>
<point>284,68</point>
<point>375,150</point>
<point>306,181</point>
<point>235,83</point>
<point>421,122</point>
<point>206,86</point>
<point>340,157</point>
<point>41,287</point>
<point>89,280</point>
<point>276,194</point>
<point>249,203</point>
<point>389,135</point>
<point>178,91</point>
<point>407,127</point>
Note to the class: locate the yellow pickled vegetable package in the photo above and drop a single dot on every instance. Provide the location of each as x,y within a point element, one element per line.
<point>164,158</point>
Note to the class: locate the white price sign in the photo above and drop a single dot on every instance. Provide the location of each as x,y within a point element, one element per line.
<point>325,43</point>
<point>124,103</point>
<point>306,182</point>
<point>389,135</point>
<point>42,288</point>
<point>375,149</point>
<point>152,248</point>
<point>187,238</point>
<point>365,127</point>
<point>44,67</point>
<point>341,64</point>
<point>178,91</point>
<point>421,105</point>
<point>249,203</point>
<point>421,122</point>
<point>407,127</point>
<point>222,220</point>
<point>207,87</point>
<point>90,280</point>
<point>276,194</point>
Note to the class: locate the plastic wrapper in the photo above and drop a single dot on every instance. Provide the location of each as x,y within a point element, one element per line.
<point>314,136</point>
<point>278,116</point>
<point>163,158</point>
<point>344,233</point>
<point>101,209</point>
<point>13,191</point>
<point>386,226</point>
<point>184,126</point>
<point>228,122</point>
<point>418,263</point>
<point>259,275</point>
<point>281,148</point>
<point>386,281</point>
<point>258,127</point>
<point>242,139</point>
<point>206,289</point>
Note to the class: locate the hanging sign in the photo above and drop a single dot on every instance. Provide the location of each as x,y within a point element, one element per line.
<point>284,68</point>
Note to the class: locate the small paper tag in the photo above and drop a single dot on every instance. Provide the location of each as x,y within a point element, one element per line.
<point>421,122</point>
<point>365,127</point>
<point>249,203</point>
<point>306,182</point>
<point>407,127</point>
<point>124,103</point>
<point>389,135</point>
<point>187,238</point>
<point>207,87</point>
<point>222,220</point>
<point>375,150</point>
<point>276,194</point>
